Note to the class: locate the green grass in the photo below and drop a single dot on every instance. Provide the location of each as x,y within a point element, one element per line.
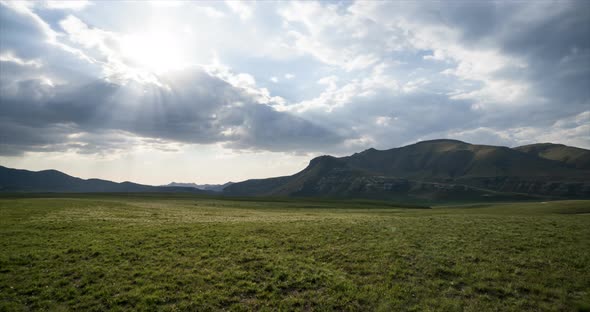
<point>113,252</point>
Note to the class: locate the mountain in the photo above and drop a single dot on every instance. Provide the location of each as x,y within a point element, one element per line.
<point>429,170</point>
<point>573,156</point>
<point>432,170</point>
<point>16,180</point>
<point>206,187</point>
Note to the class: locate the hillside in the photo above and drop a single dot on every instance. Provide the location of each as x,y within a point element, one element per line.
<point>429,170</point>
<point>438,169</point>
<point>572,156</point>
<point>16,180</point>
<point>450,159</point>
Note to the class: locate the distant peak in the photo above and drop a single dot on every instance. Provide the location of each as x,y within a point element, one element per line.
<point>542,144</point>
<point>324,159</point>
<point>441,141</point>
<point>49,171</point>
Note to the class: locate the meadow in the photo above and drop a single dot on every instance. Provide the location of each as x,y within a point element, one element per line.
<point>190,253</point>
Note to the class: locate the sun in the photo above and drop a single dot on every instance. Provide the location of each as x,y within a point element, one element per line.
<point>154,51</point>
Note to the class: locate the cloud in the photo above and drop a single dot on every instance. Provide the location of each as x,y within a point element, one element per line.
<point>322,32</point>
<point>23,31</point>
<point>445,67</point>
<point>75,5</point>
<point>368,74</point>
<point>337,95</point>
<point>37,117</point>
<point>383,121</point>
<point>242,8</point>
<point>199,105</point>
<point>9,57</point>
<point>104,49</point>
<point>480,43</point>
<point>570,131</point>
<point>211,11</point>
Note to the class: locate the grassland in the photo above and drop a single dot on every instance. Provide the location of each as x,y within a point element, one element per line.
<point>97,253</point>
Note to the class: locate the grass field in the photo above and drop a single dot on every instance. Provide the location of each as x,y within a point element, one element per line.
<point>97,253</point>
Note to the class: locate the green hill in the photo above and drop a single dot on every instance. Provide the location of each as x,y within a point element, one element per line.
<point>573,156</point>
<point>432,170</point>
<point>444,159</point>
<point>16,180</point>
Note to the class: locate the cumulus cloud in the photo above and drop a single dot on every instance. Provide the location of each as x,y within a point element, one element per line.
<point>75,5</point>
<point>189,112</point>
<point>9,57</point>
<point>570,131</point>
<point>201,104</point>
<point>367,74</point>
<point>241,8</point>
<point>464,65</point>
<point>39,117</point>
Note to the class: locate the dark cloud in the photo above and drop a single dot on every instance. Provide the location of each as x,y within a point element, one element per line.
<point>407,117</point>
<point>199,109</point>
<point>95,115</point>
<point>65,105</point>
<point>21,34</point>
<point>552,38</point>
<point>549,38</point>
<point>553,41</point>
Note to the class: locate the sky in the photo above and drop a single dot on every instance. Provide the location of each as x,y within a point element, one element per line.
<point>210,92</point>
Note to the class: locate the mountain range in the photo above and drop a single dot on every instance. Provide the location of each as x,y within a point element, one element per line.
<point>430,170</point>
<point>437,170</point>
<point>16,180</point>
<point>205,187</point>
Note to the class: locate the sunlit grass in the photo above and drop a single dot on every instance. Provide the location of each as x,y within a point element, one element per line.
<point>145,253</point>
